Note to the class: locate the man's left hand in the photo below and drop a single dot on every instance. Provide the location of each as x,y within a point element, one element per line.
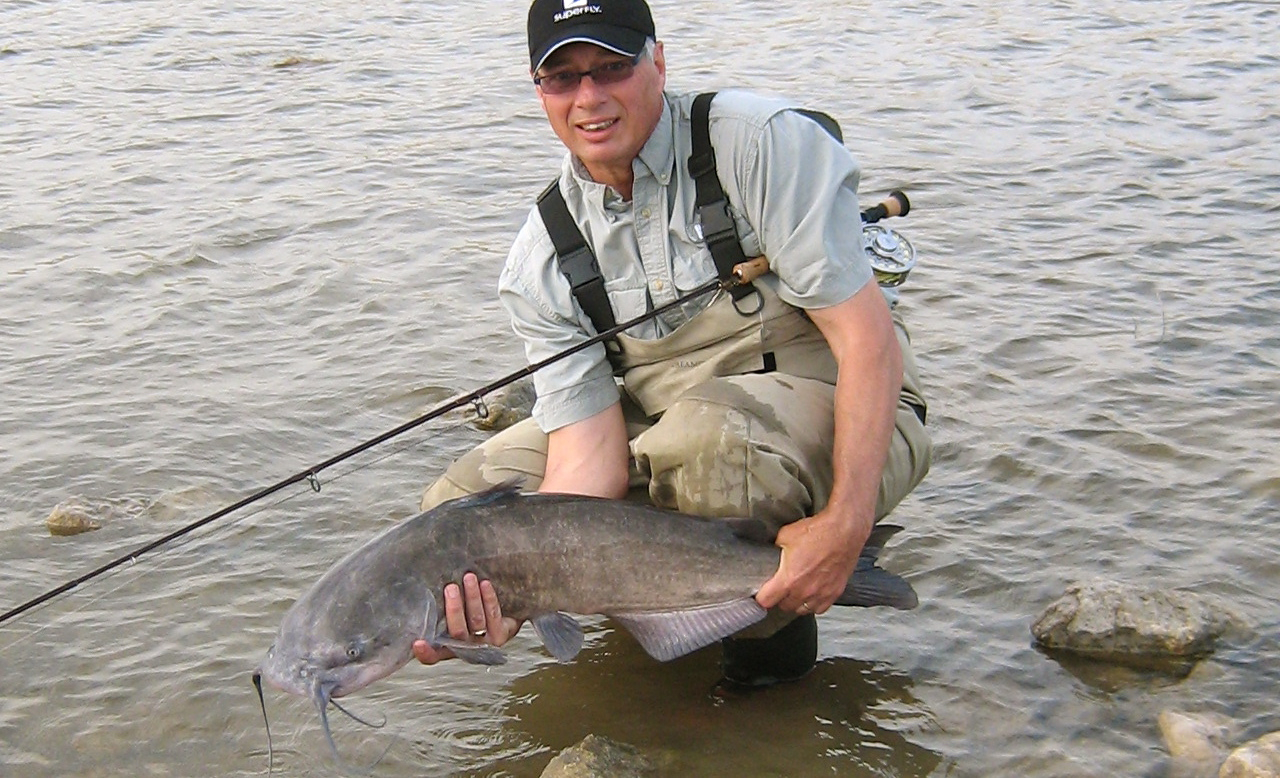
<point>819,554</point>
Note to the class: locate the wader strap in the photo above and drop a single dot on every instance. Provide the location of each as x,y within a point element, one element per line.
<point>827,123</point>
<point>718,230</point>
<point>575,258</point>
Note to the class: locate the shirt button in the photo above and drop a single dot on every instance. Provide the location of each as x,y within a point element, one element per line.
<point>646,213</point>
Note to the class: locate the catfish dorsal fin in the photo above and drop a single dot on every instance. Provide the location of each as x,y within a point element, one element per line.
<point>503,491</point>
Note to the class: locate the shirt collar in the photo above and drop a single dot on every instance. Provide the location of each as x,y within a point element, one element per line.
<point>658,153</point>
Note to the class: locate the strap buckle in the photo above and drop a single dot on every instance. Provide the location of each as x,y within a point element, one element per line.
<point>580,267</point>
<point>717,224</point>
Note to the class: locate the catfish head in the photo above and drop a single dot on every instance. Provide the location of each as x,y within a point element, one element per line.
<point>338,639</point>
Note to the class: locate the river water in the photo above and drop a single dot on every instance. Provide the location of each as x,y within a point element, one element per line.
<point>239,237</point>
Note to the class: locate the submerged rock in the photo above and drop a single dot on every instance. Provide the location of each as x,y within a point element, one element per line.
<point>599,757</point>
<point>1256,759</point>
<point>71,517</point>
<point>506,406</point>
<point>75,515</point>
<point>1118,622</point>
<point>1195,737</point>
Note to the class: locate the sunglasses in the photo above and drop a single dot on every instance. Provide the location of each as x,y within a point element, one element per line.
<point>565,81</point>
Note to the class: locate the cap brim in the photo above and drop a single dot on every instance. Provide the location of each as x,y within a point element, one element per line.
<point>616,39</point>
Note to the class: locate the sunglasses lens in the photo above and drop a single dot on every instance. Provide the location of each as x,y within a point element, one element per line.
<point>568,81</point>
<point>560,83</point>
<point>613,73</point>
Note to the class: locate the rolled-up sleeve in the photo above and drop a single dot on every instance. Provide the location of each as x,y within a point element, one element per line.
<point>544,316</point>
<point>799,188</point>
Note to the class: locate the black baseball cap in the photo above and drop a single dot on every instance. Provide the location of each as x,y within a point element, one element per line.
<point>617,25</point>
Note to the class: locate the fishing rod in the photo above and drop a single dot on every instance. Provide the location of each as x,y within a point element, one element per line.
<point>895,205</point>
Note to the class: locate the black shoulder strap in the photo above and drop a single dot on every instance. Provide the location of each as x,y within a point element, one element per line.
<point>718,230</point>
<point>824,121</point>
<point>576,260</point>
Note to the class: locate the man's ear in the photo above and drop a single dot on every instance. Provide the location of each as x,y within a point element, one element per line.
<point>542,99</point>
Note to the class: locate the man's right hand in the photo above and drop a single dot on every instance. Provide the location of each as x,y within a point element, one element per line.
<point>471,614</point>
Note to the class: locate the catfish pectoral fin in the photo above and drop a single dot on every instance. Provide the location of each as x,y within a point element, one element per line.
<point>880,535</point>
<point>560,633</point>
<point>665,636</point>
<point>474,653</point>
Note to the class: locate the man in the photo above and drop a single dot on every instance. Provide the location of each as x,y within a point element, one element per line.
<point>792,405</point>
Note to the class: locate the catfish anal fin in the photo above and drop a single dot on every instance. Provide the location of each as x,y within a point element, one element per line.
<point>665,636</point>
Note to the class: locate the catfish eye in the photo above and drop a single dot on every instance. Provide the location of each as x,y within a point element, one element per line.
<point>353,651</point>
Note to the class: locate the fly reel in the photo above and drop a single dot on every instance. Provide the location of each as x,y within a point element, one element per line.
<point>891,255</point>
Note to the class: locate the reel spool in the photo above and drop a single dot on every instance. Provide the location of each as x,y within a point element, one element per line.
<point>891,255</point>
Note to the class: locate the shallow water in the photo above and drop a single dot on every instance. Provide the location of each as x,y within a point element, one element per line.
<point>237,238</point>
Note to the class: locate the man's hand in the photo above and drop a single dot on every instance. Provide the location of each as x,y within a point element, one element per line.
<point>471,613</point>
<point>819,554</point>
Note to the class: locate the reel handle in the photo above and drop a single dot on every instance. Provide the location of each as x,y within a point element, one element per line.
<point>896,204</point>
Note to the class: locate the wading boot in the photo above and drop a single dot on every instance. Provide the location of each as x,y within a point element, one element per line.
<point>786,655</point>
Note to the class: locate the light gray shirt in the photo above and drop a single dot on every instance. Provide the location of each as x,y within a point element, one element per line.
<point>792,191</point>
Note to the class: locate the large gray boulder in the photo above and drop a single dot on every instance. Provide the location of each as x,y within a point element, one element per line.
<point>1120,622</point>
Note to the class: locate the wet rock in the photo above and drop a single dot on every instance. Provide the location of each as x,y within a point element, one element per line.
<point>599,757</point>
<point>1195,737</point>
<point>1146,673</point>
<point>506,406</point>
<point>71,517</point>
<point>1256,759</point>
<point>1118,622</point>
<point>85,514</point>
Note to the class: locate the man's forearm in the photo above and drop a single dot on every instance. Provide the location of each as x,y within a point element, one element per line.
<point>867,389</point>
<point>589,457</point>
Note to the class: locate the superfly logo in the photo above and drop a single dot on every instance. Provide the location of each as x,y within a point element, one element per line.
<point>574,8</point>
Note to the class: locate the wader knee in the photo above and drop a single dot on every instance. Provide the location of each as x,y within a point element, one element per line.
<point>755,445</point>
<point>517,454</point>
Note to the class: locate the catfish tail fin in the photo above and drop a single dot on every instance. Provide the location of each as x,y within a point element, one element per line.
<point>871,584</point>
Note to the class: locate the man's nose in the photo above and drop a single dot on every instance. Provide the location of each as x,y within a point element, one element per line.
<point>589,92</point>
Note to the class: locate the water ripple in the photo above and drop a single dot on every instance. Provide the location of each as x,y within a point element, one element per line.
<point>239,237</point>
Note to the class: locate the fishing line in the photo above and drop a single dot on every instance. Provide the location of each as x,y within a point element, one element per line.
<point>897,204</point>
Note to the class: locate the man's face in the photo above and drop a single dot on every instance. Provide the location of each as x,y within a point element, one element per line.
<point>605,125</point>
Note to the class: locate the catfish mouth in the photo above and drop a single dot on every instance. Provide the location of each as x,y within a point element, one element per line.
<point>321,689</point>
<point>303,677</point>
<point>287,675</point>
